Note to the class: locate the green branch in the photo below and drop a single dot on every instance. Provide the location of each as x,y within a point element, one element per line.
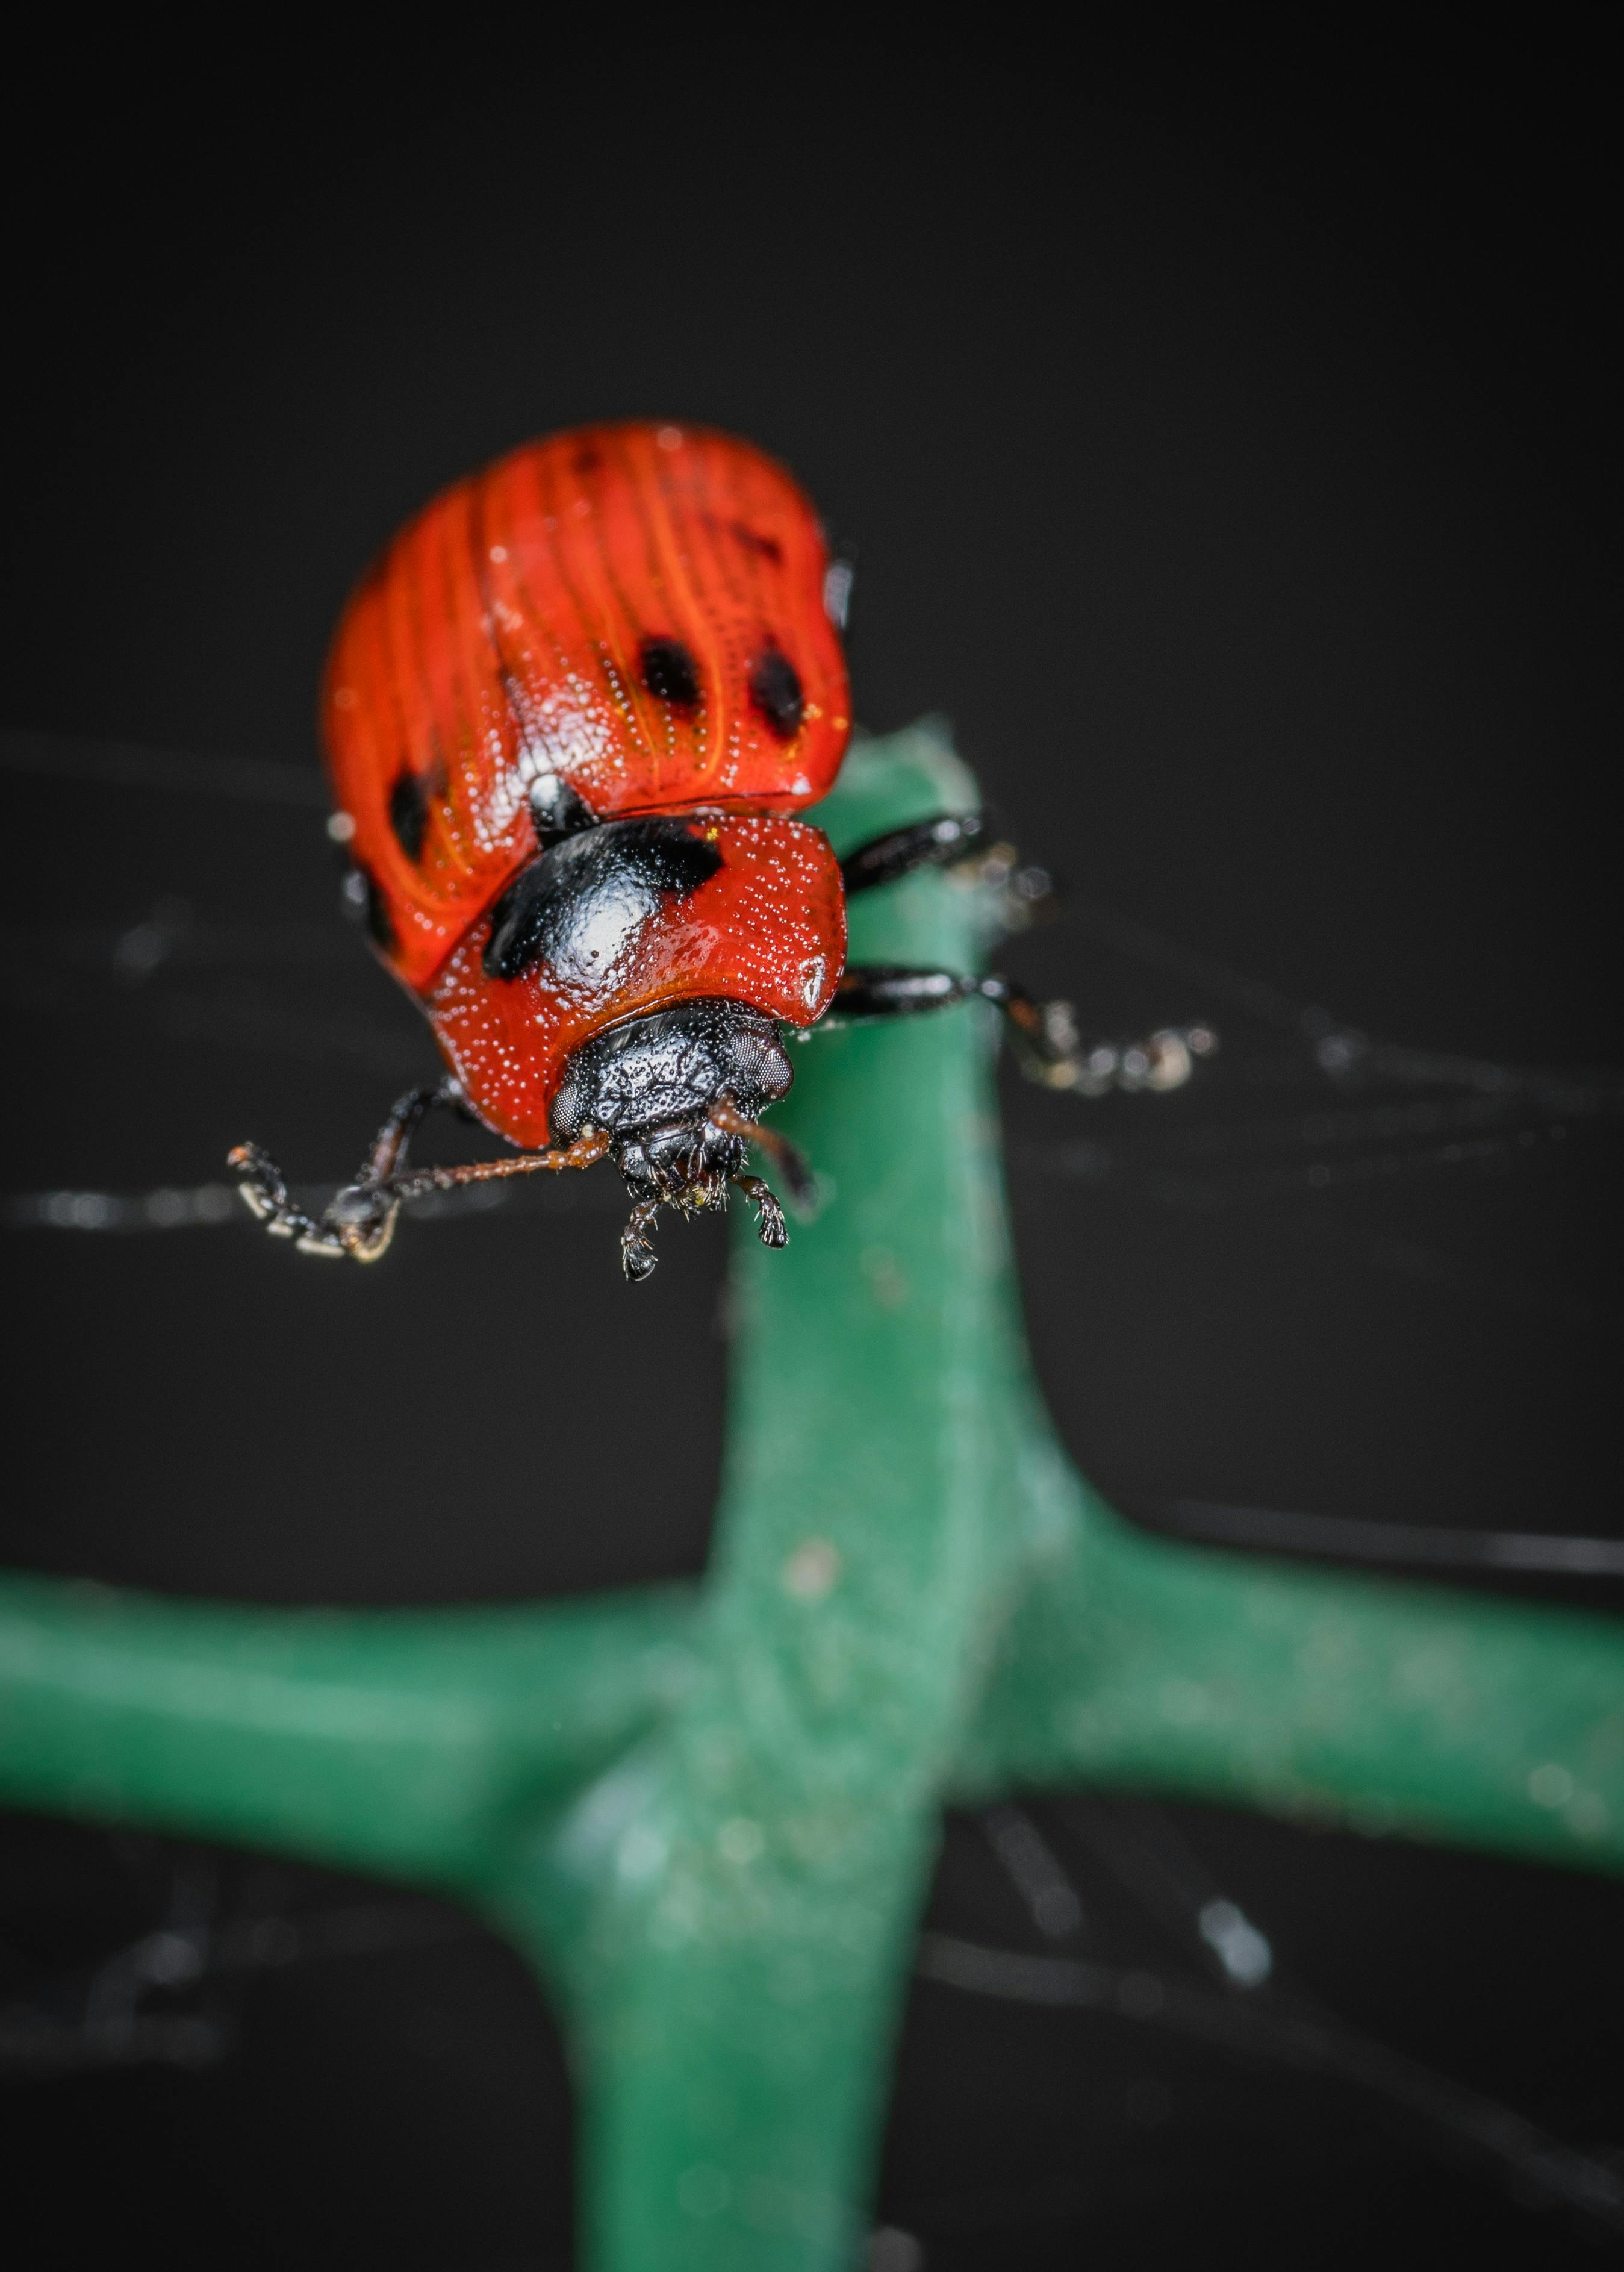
<point>1392,1707</point>
<point>401,1742</point>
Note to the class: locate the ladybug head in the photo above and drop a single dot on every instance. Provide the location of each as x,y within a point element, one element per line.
<point>676,1093</point>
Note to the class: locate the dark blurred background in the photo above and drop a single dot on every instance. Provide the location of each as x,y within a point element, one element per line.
<point>1224,427</point>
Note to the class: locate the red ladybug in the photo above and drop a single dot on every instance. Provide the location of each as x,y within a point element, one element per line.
<point>570,715</point>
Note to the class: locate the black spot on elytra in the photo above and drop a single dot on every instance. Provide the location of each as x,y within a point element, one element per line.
<point>775,690</point>
<point>767,548</point>
<point>588,461</point>
<point>670,673</point>
<point>580,903</point>
<point>408,813</point>
<point>364,903</point>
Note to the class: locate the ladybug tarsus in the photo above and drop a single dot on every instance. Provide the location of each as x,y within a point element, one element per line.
<point>360,1222</point>
<point>770,1228</point>
<point>266,1197</point>
<point>637,1256</point>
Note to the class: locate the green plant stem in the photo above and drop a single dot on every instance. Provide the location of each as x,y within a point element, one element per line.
<point>1393,1708</point>
<point>404,1742</point>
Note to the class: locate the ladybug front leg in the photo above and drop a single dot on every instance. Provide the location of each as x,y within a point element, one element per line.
<point>266,1196</point>
<point>393,1139</point>
<point>637,1256</point>
<point>770,1228</point>
<point>361,1220</point>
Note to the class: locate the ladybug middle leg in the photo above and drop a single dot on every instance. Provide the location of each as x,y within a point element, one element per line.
<point>1046,1034</point>
<point>937,841</point>
<point>1047,1043</point>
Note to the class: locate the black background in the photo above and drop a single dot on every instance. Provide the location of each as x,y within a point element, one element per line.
<point>1225,428</point>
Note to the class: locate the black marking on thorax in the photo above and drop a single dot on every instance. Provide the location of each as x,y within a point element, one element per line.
<point>577,905</point>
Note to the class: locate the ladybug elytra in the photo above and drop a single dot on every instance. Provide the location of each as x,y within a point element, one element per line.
<point>571,715</point>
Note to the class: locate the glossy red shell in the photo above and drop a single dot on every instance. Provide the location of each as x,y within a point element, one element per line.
<point>497,641</point>
<point>769,928</point>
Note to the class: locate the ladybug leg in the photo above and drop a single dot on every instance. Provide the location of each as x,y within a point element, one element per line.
<point>1017,894</point>
<point>1047,1043</point>
<point>361,1220</point>
<point>637,1256</point>
<point>365,1215</point>
<point>933,843</point>
<point>390,1145</point>
<point>1045,1033</point>
<point>769,1224</point>
<point>266,1195</point>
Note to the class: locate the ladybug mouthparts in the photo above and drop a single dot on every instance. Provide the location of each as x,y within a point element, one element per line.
<point>677,1092</point>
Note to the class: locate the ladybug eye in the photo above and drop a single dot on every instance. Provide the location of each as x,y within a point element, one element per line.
<point>408,813</point>
<point>775,690</point>
<point>670,674</point>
